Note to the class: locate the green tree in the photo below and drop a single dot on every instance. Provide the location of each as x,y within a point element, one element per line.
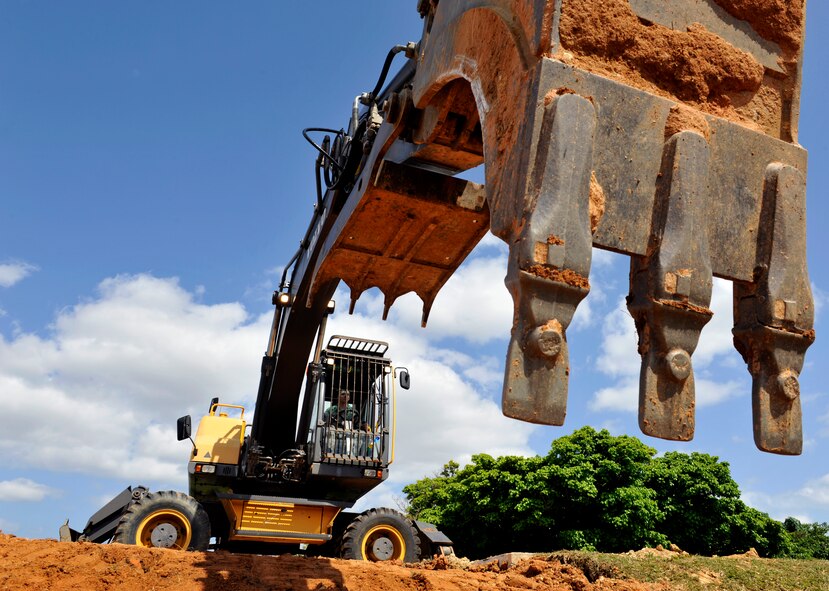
<point>697,495</point>
<point>480,506</point>
<point>807,540</point>
<point>428,497</point>
<point>586,493</point>
<point>596,491</point>
<point>703,513</point>
<point>754,529</point>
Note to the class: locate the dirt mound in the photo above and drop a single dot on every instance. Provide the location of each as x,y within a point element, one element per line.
<point>55,566</point>
<point>689,62</point>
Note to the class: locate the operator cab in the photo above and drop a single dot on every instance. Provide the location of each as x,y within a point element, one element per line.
<point>348,413</point>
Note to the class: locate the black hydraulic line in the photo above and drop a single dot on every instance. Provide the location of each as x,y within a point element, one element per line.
<point>385,71</point>
<point>326,175</point>
<point>317,167</point>
<point>288,266</point>
<point>403,76</point>
<point>319,148</point>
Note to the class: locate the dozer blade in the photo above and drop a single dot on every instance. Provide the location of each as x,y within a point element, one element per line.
<point>67,534</point>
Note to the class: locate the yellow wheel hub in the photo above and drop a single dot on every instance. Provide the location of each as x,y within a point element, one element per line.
<point>383,542</point>
<point>166,528</point>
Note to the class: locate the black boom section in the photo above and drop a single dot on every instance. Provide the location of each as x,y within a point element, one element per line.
<point>280,385</point>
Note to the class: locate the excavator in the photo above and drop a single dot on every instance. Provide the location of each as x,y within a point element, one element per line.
<point>663,130</point>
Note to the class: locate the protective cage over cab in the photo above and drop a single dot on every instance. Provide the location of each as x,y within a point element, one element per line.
<point>349,407</point>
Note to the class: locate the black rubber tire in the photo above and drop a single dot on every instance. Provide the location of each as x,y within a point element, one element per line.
<point>165,519</point>
<point>381,534</point>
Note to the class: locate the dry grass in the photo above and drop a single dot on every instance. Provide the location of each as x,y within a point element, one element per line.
<point>699,573</point>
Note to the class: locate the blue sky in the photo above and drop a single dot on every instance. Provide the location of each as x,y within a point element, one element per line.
<point>153,181</point>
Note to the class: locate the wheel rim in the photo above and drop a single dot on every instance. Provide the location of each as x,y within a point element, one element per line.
<point>383,542</point>
<point>164,529</point>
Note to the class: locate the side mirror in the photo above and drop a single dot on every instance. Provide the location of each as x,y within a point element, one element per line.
<point>184,427</point>
<point>213,403</point>
<point>405,380</point>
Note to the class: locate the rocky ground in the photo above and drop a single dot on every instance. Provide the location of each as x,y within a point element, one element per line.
<point>54,566</point>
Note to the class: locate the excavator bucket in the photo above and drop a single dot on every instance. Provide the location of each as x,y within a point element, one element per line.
<point>662,129</point>
<point>409,232</point>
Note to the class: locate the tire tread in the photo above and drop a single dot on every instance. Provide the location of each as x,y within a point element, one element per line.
<point>359,526</point>
<point>165,499</point>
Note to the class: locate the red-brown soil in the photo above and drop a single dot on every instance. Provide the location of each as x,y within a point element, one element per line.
<point>54,566</point>
<point>694,65</point>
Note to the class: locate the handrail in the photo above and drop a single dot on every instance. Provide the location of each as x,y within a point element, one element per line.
<point>223,405</point>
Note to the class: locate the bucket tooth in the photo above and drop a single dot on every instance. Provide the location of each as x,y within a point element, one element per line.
<point>774,315</point>
<point>775,358</point>
<point>355,295</point>
<point>549,263</point>
<point>671,290</point>
<point>538,368</point>
<point>388,301</point>
<point>427,308</point>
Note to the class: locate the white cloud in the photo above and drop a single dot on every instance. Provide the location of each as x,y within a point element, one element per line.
<point>816,491</point>
<point>474,305</point>
<point>623,396</point>
<point>618,356</point>
<point>764,502</point>
<point>585,315</point>
<point>486,371</point>
<point>443,418</point>
<point>716,341</point>
<point>101,393</point>
<point>823,420</point>
<point>800,503</point>
<point>268,283</point>
<point>711,392</point>
<point>604,258</point>
<point>603,274</point>
<point>12,273</point>
<point>23,489</point>
<point>820,297</point>
<point>613,425</point>
<point>490,241</point>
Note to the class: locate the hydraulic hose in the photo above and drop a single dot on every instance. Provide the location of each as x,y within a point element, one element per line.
<point>410,49</point>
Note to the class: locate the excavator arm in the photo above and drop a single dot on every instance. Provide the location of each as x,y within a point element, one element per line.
<point>378,223</point>
<point>664,130</point>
